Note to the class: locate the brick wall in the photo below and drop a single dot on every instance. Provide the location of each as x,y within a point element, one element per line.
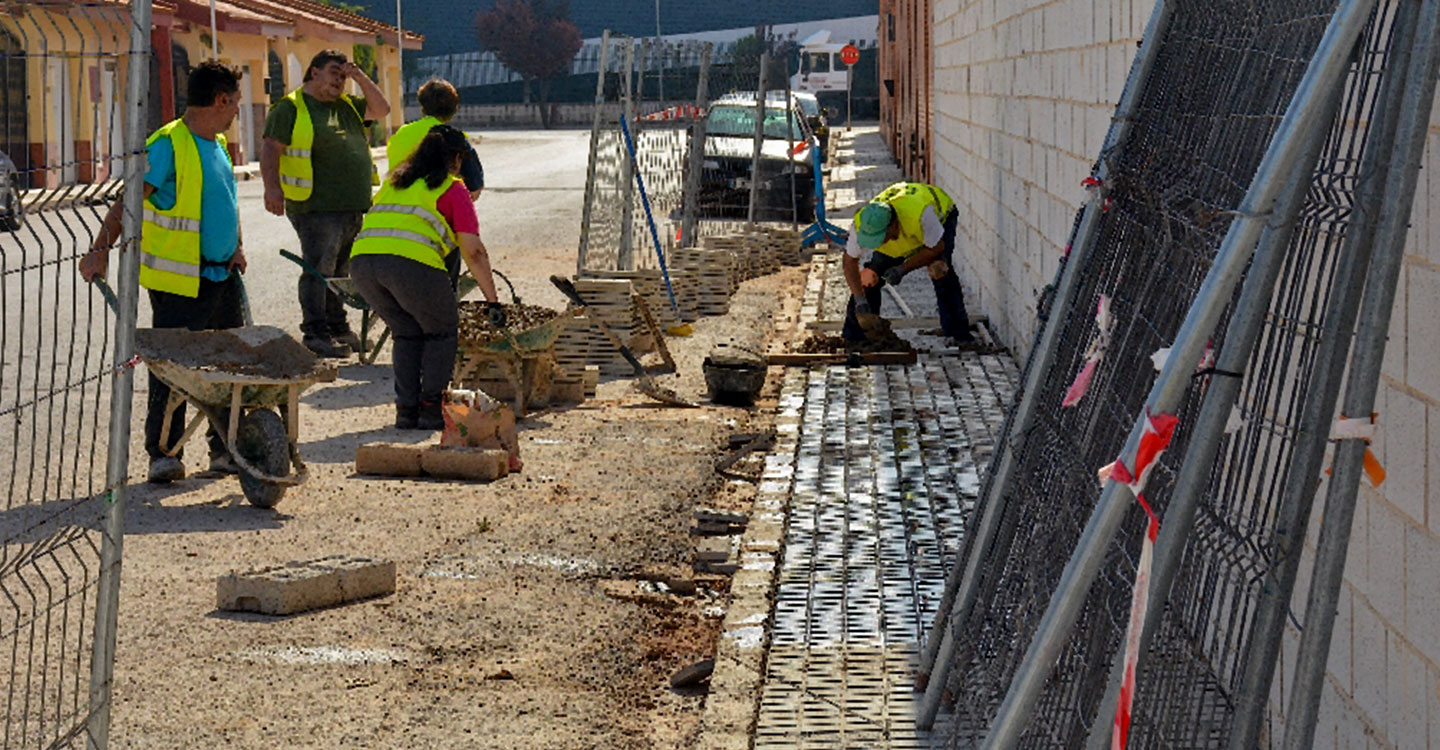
<point>1023,97</point>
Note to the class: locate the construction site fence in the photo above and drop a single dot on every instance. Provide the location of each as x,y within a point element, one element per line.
<point>1263,162</point>
<point>73,117</point>
<point>697,182</point>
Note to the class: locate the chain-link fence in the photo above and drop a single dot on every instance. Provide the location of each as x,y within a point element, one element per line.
<point>65,79</point>
<point>1177,182</point>
<point>697,127</point>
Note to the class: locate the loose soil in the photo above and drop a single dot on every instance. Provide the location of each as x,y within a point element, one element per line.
<point>820,343</point>
<point>516,622</point>
<point>259,351</point>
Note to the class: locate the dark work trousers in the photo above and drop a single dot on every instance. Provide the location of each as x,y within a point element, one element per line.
<point>325,240</point>
<point>418,304</point>
<point>948,295</point>
<point>218,305</point>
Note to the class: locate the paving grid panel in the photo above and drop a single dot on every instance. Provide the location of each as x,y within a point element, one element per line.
<point>885,474</point>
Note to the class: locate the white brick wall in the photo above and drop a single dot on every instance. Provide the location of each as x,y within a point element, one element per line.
<point>1024,94</point>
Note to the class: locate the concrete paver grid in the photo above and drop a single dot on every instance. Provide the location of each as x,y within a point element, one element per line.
<point>884,475</point>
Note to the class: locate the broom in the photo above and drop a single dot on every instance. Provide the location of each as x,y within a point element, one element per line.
<point>680,328</point>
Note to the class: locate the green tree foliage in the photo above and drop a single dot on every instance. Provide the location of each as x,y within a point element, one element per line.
<point>534,38</point>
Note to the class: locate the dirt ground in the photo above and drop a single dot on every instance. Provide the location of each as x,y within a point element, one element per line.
<point>516,621</point>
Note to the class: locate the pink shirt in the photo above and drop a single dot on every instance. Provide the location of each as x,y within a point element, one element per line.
<point>459,211</point>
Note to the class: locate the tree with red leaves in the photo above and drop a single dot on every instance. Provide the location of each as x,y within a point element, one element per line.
<point>534,38</point>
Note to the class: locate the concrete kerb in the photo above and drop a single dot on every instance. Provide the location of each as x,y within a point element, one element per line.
<point>731,710</point>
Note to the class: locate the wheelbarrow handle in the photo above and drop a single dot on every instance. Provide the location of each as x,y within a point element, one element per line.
<point>107,293</point>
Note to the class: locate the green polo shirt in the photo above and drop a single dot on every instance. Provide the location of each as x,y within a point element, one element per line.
<point>341,154</point>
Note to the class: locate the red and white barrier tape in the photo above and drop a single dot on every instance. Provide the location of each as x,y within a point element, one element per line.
<point>1159,429</point>
<point>1093,354</point>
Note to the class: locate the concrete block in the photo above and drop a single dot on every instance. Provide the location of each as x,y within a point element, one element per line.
<point>389,459</point>
<point>713,550</point>
<point>457,462</point>
<point>714,515</point>
<point>1422,313</point>
<point>1370,653</point>
<point>1422,592</point>
<point>1386,587</point>
<point>305,585</point>
<point>1405,454</point>
<point>1405,723</point>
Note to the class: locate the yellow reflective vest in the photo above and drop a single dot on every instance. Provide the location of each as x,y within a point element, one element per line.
<point>170,238</point>
<point>407,222</point>
<point>405,140</point>
<point>908,200</point>
<point>297,173</point>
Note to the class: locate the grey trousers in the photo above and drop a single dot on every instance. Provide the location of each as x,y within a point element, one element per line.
<point>418,304</point>
<point>325,240</point>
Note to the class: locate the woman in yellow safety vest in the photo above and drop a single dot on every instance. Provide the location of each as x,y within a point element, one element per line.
<point>421,215</point>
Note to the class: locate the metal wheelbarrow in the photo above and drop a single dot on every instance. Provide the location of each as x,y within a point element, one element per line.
<point>510,351</point>
<point>251,372</point>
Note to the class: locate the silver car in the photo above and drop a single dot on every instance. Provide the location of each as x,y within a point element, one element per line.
<point>12,212</point>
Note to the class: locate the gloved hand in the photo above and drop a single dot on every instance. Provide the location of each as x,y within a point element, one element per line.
<point>862,306</point>
<point>893,275</point>
<point>495,314</point>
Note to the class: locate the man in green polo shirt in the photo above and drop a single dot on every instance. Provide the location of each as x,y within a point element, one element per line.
<point>318,171</point>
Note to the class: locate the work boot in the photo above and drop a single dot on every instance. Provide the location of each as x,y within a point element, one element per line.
<point>430,416</point>
<point>326,347</point>
<point>407,417</point>
<point>223,463</point>
<point>348,338</point>
<point>166,469</point>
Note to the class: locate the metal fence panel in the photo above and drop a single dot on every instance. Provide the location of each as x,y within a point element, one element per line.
<point>1224,77</point>
<point>64,70</point>
<point>667,94</point>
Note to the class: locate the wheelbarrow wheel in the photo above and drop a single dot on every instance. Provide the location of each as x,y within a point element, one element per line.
<point>263,441</point>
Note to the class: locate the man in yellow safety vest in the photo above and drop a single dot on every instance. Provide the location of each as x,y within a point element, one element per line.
<point>907,226</point>
<point>317,170</point>
<point>190,247</point>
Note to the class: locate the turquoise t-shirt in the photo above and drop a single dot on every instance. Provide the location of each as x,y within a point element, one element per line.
<point>219,214</point>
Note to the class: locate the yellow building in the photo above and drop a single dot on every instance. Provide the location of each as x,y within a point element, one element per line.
<point>62,73</point>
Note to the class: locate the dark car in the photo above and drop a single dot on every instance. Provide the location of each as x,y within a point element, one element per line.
<point>786,174</point>
<point>12,213</point>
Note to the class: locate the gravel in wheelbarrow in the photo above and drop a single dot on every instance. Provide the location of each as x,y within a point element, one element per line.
<point>476,331</point>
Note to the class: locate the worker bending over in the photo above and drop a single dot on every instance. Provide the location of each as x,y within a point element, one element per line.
<point>421,216</point>
<point>909,225</point>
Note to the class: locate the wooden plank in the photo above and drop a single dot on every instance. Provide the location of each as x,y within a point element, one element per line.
<point>842,358</point>
<point>897,324</point>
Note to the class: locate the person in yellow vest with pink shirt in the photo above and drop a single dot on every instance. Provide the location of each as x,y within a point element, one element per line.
<point>318,171</point>
<point>422,216</point>
<point>190,247</point>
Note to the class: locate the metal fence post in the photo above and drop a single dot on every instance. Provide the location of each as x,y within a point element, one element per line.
<point>102,662</point>
<point>1364,378</point>
<point>759,136</point>
<point>964,579</point>
<point>588,209</point>
<point>626,255</point>
<point>696,158</point>
<point>1325,71</point>
<point>1241,335</point>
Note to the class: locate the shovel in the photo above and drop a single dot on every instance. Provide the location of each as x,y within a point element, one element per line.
<point>643,383</point>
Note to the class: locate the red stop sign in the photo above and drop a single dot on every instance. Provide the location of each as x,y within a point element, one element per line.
<point>850,54</point>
